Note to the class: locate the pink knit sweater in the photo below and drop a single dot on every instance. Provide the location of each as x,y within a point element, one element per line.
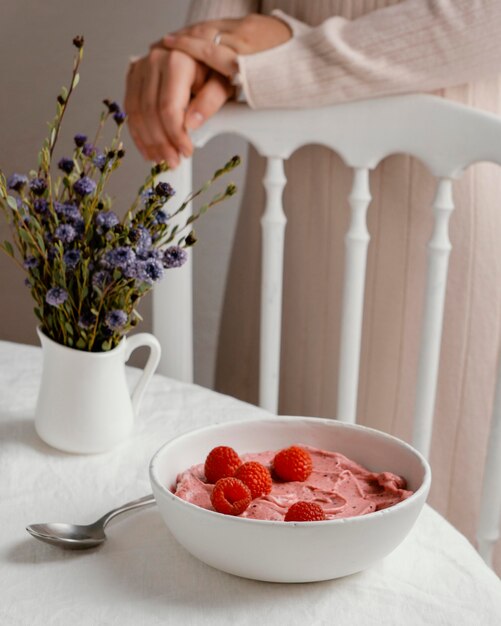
<point>414,45</point>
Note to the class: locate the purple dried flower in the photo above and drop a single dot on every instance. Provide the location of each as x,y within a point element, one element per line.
<point>16,181</point>
<point>40,205</point>
<point>120,257</point>
<point>71,212</point>
<point>142,253</point>
<point>116,319</point>
<point>30,263</point>
<point>131,270</point>
<point>143,238</point>
<point>106,220</point>
<point>65,233</point>
<point>160,217</point>
<point>149,196</point>
<point>38,186</point>
<point>56,296</point>
<point>101,278</point>
<point>66,165</point>
<point>119,117</point>
<point>68,210</point>
<point>155,253</point>
<point>150,270</point>
<point>174,256</point>
<point>88,149</point>
<point>80,140</point>
<point>84,186</point>
<point>79,226</point>
<point>113,107</point>
<point>164,190</point>
<point>100,162</point>
<point>71,258</point>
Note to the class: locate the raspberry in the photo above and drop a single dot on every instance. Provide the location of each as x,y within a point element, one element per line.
<point>256,476</point>
<point>230,496</point>
<point>292,463</point>
<point>221,462</point>
<point>304,512</point>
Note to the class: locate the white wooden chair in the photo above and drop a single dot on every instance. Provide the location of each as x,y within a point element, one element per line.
<point>447,137</point>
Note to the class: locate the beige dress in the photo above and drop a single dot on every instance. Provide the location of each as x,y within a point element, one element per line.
<point>370,48</point>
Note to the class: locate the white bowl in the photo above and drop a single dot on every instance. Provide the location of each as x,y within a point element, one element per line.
<point>289,551</point>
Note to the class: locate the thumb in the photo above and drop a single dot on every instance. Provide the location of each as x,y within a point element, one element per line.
<point>210,98</point>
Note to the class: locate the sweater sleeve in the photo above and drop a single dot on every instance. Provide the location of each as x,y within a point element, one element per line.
<point>202,10</point>
<point>414,46</point>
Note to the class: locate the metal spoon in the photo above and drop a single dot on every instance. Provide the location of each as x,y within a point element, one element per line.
<point>79,537</point>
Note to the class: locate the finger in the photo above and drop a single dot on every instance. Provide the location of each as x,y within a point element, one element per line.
<point>178,77</point>
<point>201,74</point>
<point>228,39</point>
<point>132,107</point>
<point>197,30</point>
<point>218,57</point>
<point>157,145</point>
<point>227,32</point>
<point>204,30</point>
<point>209,99</point>
<point>234,42</point>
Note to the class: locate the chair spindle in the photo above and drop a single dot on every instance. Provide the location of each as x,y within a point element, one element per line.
<point>356,242</point>
<point>439,248</point>
<point>273,224</point>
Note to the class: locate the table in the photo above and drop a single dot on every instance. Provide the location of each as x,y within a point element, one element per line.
<point>141,576</point>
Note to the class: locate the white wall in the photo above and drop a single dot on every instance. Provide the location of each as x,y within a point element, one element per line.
<point>35,61</point>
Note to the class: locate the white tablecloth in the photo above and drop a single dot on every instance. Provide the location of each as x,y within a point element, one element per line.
<point>141,576</point>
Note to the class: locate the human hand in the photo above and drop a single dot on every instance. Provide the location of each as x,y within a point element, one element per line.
<point>217,43</point>
<point>158,102</point>
<point>158,91</point>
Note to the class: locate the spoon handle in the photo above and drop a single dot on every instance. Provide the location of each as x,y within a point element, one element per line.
<point>129,506</point>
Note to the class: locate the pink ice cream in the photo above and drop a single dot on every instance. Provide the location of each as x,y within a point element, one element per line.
<point>342,487</point>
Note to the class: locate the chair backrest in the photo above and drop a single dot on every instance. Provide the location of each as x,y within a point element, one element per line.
<point>447,138</point>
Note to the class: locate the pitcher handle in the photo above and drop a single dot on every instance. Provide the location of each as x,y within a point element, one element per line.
<point>138,341</point>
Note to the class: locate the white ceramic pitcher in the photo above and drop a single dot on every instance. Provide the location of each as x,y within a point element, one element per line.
<point>84,404</point>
